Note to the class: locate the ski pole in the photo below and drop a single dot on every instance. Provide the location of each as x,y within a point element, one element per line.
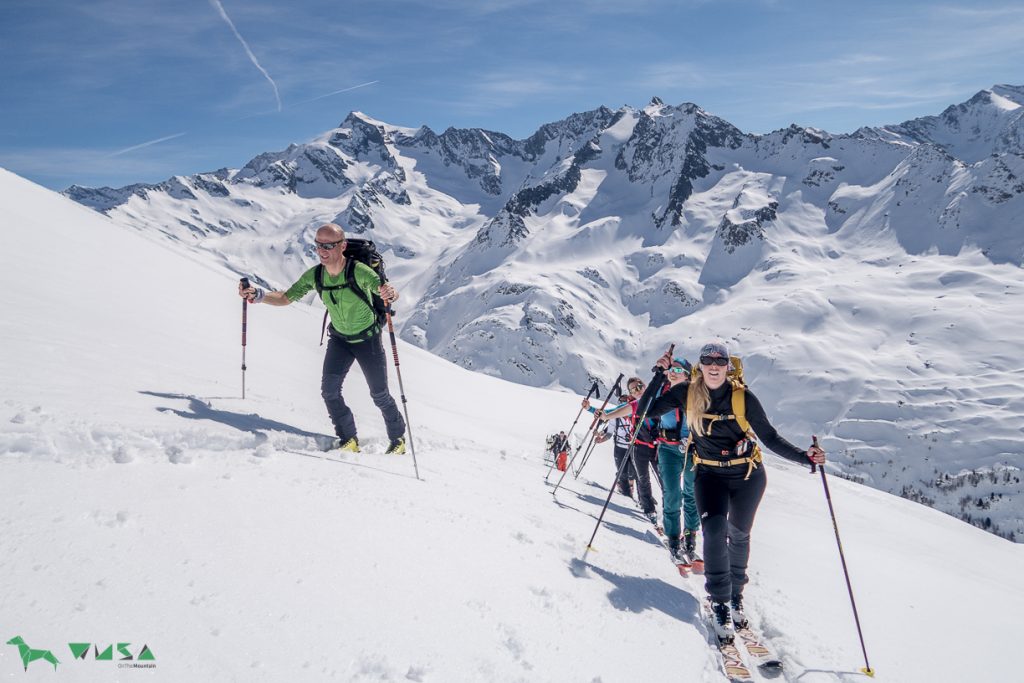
<point>593,390</point>
<point>589,450</point>
<point>586,456</point>
<point>616,390</point>
<point>658,372</point>
<point>591,444</point>
<point>245,321</point>
<point>593,427</point>
<point>401,387</point>
<point>828,496</point>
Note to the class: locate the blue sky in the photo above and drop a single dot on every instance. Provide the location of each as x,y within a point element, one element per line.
<point>110,92</point>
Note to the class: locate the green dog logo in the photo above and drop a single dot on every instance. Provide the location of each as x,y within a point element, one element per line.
<point>30,655</point>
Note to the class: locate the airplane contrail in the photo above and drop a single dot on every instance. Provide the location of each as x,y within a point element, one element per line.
<point>252,57</point>
<point>336,92</point>
<point>144,144</point>
<point>318,97</point>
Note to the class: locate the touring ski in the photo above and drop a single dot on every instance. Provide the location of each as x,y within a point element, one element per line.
<point>733,665</point>
<point>684,566</point>
<point>761,655</point>
<point>748,648</point>
<point>693,562</point>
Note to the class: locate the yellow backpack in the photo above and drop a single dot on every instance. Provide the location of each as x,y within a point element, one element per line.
<point>739,413</point>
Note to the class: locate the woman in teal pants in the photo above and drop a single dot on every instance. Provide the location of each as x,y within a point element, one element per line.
<point>677,475</point>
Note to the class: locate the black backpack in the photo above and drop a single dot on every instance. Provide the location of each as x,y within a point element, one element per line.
<point>363,251</point>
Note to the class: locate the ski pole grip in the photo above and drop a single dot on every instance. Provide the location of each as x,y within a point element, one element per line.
<point>814,442</point>
<point>671,350</point>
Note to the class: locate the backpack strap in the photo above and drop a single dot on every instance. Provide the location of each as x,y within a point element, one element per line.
<point>739,408</point>
<point>739,415</point>
<point>739,405</point>
<point>350,282</point>
<point>379,309</point>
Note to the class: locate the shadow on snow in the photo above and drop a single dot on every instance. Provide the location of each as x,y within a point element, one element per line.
<point>638,594</point>
<point>251,423</point>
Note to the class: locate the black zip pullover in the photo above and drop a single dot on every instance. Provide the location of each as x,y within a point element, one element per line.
<point>725,434</point>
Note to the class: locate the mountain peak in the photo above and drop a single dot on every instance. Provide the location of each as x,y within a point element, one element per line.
<point>984,99</point>
<point>359,117</point>
<point>1006,98</point>
<point>1014,93</point>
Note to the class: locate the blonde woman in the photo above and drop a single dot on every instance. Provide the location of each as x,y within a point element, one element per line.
<point>729,481</point>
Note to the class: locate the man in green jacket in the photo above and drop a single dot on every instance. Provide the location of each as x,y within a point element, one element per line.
<point>354,331</point>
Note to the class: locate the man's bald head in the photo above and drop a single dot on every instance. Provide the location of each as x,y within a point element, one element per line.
<point>330,232</point>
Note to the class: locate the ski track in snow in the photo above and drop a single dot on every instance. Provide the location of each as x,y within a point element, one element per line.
<point>875,272</point>
<point>142,500</point>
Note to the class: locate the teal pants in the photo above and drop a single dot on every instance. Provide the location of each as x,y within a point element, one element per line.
<point>677,476</point>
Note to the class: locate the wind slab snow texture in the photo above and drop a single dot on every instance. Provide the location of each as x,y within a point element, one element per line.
<point>142,501</point>
<point>871,281</point>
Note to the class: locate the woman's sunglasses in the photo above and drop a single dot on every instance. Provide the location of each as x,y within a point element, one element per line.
<point>714,360</point>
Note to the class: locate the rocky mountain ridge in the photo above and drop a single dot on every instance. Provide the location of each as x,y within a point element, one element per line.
<point>878,268</point>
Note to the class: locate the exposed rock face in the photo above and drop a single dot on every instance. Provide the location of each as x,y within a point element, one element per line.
<point>588,247</point>
<point>705,200</point>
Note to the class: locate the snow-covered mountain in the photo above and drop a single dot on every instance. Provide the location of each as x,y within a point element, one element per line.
<point>142,502</point>
<point>990,123</point>
<point>871,281</point>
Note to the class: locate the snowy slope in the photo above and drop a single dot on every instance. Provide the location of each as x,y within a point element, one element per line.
<point>872,278</point>
<point>142,501</point>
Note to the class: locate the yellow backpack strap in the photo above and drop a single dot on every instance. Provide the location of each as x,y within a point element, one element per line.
<point>739,395</point>
<point>712,417</point>
<point>739,405</point>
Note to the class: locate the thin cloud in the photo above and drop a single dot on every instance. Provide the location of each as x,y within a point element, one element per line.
<point>57,168</point>
<point>144,144</point>
<point>220,8</point>
<point>674,75</point>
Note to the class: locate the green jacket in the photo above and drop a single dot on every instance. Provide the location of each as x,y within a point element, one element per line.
<point>349,314</point>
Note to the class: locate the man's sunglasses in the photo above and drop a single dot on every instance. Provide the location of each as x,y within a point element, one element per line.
<point>714,360</point>
<point>677,370</point>
<point>327,246</point>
